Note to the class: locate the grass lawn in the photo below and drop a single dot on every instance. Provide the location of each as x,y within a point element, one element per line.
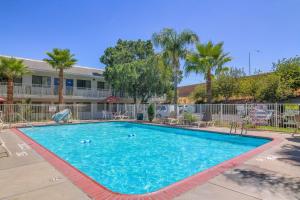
<point>267,128</point>
<point>277,129</point>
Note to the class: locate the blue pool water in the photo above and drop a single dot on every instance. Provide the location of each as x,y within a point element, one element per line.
<point>134,158</point>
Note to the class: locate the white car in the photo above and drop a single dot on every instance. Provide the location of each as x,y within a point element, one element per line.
<point>164,110</point>
<point>186,108</point>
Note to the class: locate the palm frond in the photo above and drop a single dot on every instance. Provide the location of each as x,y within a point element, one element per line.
<point>12,67</point>
<point>60,58</point>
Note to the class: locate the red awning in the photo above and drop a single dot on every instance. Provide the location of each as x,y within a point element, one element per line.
<point>2,100</point>
<point>112,99</point>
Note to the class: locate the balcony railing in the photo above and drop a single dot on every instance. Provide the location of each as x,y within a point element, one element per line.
<point>21,90</point>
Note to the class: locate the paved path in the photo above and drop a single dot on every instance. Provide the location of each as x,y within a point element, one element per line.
<point>271,175</point>
<point>24,175</point>
<point>274,174</point>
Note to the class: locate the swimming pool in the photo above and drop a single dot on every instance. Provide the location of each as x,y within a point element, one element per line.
<point>132,158</point>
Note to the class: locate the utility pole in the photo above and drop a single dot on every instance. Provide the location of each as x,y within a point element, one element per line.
<point>249,62</point>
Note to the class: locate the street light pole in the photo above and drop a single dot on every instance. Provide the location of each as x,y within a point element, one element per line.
<point>249,62</point>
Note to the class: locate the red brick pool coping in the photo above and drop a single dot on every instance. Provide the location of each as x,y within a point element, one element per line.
<point>98,192</point>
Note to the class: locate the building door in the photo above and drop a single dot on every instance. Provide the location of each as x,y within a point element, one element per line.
<point>56,85</point>
<point>69,86</point>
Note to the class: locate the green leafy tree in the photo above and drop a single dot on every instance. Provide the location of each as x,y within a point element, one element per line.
<point>174,48</point>
<point>60,59</point>
<point>207,59</point>
<point>155,78</point>
<point>249,87</point>
<point>272,90</point>
<point>126,51</point>
<point>133,67</point>
<point>288,71</point>
<point>228,84</point>
<point>12,68</point>
<point>199,94</point>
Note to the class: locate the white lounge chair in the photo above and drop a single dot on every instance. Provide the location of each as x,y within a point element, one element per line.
<point>121,116</point>
<point>297,122</point>
<point>106,115</point>
<point>2,124</point>
<point>202,123</point>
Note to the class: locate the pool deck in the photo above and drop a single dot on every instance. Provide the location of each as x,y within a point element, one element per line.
<point>272,174</point>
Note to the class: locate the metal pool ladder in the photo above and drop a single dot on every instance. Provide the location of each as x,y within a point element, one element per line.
<point>234,125</point>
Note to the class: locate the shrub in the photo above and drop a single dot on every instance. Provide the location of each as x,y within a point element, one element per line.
<point>151,112</point>
<point>189,117</point>
<point>273,90</point>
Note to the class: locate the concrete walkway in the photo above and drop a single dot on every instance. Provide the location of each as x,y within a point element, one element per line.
<point>271,175</point>
<point>274,174</point>
<point>24,175</point>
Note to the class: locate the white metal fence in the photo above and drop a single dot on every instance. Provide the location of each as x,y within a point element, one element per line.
<point>275,115</point>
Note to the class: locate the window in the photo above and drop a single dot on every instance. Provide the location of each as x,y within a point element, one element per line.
<point>39,81</point>
<point>100,107</point>
<point>85,107</point>
<point>83,84</point>
<point>69,82</point>
<point>100,85</point>
<point>17,81</point>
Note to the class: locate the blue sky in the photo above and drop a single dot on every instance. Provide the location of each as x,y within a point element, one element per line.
<point>29,28</point>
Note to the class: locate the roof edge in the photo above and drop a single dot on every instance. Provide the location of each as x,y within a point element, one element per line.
<point>36,60</point>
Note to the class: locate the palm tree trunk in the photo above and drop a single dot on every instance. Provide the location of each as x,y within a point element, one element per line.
<point>10,91</point>
<point>60,87</point>
<point>176,68</point>
<point>207,115</point>
<point>135,103</point>
<point>208,87</point>
<point>175,87</point>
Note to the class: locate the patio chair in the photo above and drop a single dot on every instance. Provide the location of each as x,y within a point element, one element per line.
<point>125,115</point>
<point>297,122</point>
<point>172,121</point>
<point>118,115</point>
<point>2,124</point>
<point>106,115</point>
<point>204,123</point>
<point>3,151</point>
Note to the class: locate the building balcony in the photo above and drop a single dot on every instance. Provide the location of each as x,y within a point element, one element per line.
<point>39,91</point>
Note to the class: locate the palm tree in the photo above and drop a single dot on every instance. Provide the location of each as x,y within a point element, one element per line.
<point>174,48</point>
<point>12,68</point>
<point>60,59</point>
<point>207,59</point>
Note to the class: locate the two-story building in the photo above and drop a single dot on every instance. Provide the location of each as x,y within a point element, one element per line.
<point>81,84</point>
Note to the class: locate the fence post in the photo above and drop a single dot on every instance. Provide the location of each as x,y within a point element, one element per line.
<point>135,110</point>
<point>221,114</point>
<point>77,114</point>
<point>276,115</point>
<point>154,105</point>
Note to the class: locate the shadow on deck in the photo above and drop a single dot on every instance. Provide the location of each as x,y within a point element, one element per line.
<point>267,180</point>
